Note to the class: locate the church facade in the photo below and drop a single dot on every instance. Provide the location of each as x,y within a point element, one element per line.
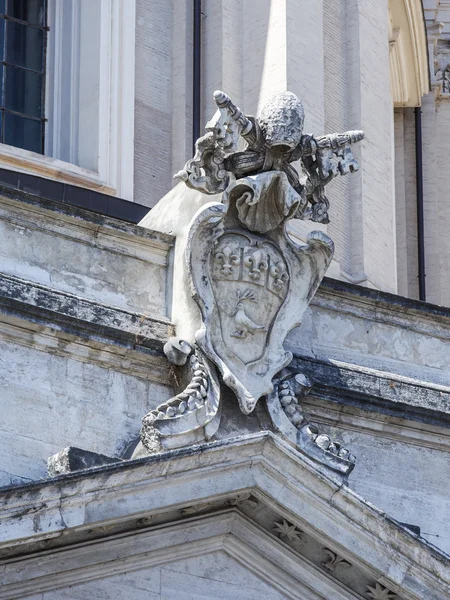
<point>236,382</point>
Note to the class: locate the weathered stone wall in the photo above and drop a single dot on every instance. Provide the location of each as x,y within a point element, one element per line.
<point>385,333</point>
<point>153,101</point>
<point>439,233</point>
<point>382,388</point>
<point>398,469</point>
<point>406,203</point>
<point>83,305</point>
<point>58,391</point>
<point>84,254</point>
<point>82,367</point>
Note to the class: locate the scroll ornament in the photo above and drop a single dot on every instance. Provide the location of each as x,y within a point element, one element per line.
<point>250,280</point>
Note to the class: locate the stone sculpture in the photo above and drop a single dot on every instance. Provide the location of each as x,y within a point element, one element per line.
<point>251,282</point>
<point>442,75</point>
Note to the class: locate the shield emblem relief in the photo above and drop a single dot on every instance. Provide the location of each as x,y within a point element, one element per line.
<point>250,279</point>
<point>252,290</point>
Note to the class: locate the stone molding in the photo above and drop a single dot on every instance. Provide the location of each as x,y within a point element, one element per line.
<point>38,317</point>
<point>384,307</point>
<point>370,389</point>
<point>339,381</point>
<point>408,52</point>
<point>227,531</point>
<point>45,305</point>
<point>378,424</point>
<point>373,331</point>
<point>107,236</point>
<point>20,203</point>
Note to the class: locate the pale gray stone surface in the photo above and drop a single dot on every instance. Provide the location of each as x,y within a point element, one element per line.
<point>387,333</point>
<point>215,575</point>
<point>401,478</point>
<point>50,401</point>
<point>153,99</point>
<point>100,259</point>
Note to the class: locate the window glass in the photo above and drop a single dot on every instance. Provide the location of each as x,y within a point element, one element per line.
<point>25,46</point>
<point>2,36</point>
<point>32,11</point>
<point>23,34</point>
<point>23,91</point>
<point>22,132</point>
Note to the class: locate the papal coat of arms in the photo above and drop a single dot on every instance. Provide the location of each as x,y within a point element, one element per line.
<point>250,280</point>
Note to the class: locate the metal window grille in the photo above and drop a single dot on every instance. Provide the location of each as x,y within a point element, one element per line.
<point>23,44</point>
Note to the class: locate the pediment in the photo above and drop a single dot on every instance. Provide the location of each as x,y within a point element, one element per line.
<point>221,555</point>
<point>298,530</point>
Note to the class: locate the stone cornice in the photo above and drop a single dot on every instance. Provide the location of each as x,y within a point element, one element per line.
<point>35,316</point>
<point>391,303</point>
<point>120,495</point>
<point>373,390</point>
<point>74,318</point>
<point>163,240</point>
<point>80,316</point>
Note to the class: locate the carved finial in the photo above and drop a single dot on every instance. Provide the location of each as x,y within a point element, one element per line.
<point>222,99</point>
<point>274,140</point>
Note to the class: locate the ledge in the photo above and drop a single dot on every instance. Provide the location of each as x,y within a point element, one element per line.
<point>377,391</point>
<point>81,317</point>
<point>384,299</point>
<point>23,186</point>
<point>111,221</point>
<point>110,211</point>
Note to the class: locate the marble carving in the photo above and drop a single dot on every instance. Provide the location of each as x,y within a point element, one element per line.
<point>442,75</point>
<point>250,281</point>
